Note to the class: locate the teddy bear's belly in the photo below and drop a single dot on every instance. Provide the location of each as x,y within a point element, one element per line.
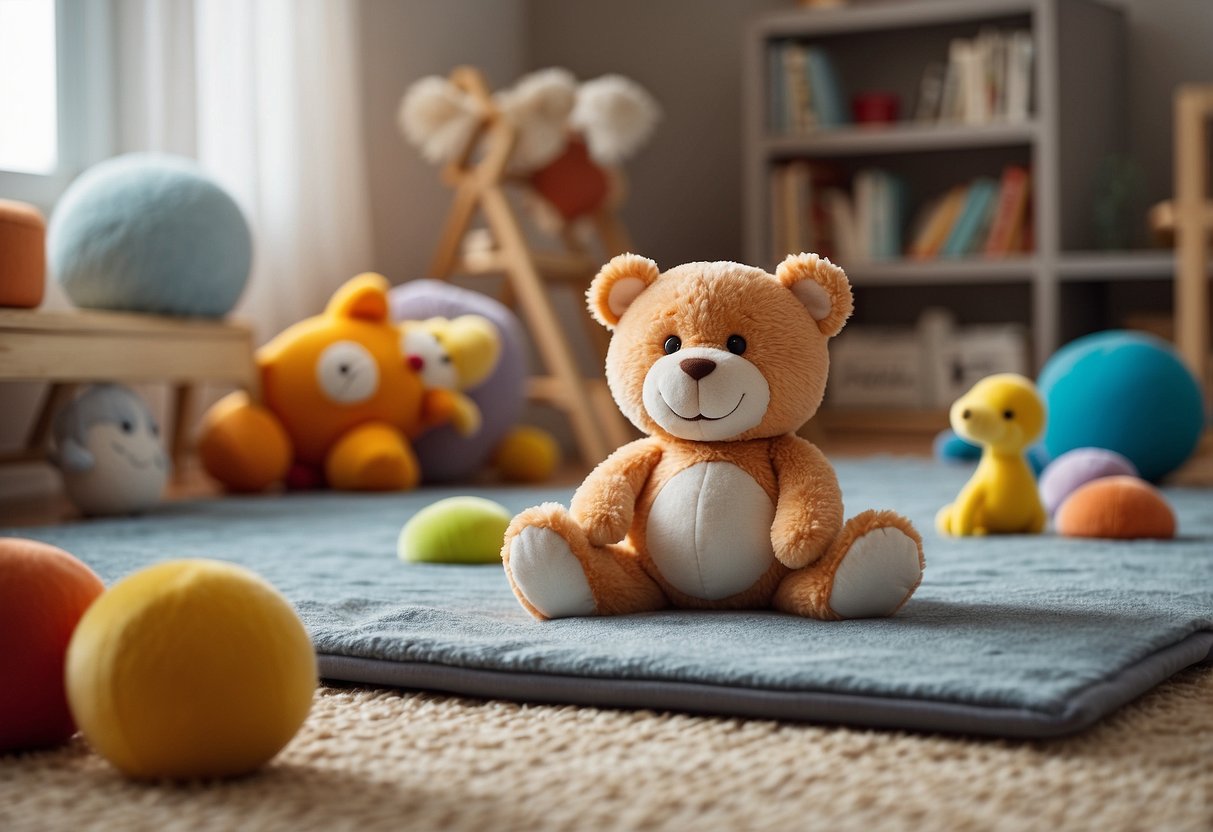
<point>709,530</point>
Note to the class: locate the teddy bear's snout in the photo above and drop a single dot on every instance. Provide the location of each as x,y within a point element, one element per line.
<point>697,368</point>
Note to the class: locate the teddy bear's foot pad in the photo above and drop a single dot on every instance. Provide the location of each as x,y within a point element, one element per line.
<point>547,572</point>
<point>877,575</point>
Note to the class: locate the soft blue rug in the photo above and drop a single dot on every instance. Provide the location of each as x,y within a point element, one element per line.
<point>1019,636</point>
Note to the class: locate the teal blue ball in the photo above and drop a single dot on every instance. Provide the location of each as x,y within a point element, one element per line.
<point>150,233</point>
<point>1126,392</point>
<point>948,447</point>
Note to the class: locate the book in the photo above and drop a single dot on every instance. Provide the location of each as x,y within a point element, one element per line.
<point>950,105</point>
<point>828,99</point>
<point>1019,76</point>
<point>973,103</point>
<point>865,208</point>
<point>930,92</point>
<point>977,240</point>
<point>1010,211</point>
<point>976,203</point>
<point>938,226</point>
<point>800,116</point>
<point>843,230</point>
<point>986,78</point>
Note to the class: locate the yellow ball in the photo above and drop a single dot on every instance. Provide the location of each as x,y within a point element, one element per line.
<point>190,669</point>
<point>527,454</point>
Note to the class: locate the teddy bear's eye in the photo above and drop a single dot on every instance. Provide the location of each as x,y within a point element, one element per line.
<point>1008,414</point>
<point>672,344</point>
<point>736,344</point>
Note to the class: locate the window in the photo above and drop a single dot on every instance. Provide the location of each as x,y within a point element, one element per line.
<point>55,92</point>
<point>29,140</point>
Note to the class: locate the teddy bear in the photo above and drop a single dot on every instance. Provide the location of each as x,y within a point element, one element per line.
<point>721,505</point>
<point>340,404</point>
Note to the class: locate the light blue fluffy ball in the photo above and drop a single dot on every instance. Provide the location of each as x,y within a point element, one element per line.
<point>150,233</point>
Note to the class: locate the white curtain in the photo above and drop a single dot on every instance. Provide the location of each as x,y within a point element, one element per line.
<point>265,95</point>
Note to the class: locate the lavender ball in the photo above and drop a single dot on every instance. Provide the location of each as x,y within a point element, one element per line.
<point>1076,468</point>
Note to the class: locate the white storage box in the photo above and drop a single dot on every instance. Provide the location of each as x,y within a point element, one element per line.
<point>876,368</point>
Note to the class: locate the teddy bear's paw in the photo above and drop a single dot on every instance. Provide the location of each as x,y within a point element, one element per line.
<point>548,574</point>
<point>878,574</point>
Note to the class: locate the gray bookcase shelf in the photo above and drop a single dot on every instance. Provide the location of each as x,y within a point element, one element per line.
<point>971,270</point>
<point>909,137</point>
<point>1077,120</point>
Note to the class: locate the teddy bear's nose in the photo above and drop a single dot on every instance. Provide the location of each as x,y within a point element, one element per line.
<point>416,363</point>
<point>697,368</point>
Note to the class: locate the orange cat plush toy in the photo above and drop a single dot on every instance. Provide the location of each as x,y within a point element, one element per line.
<point>340,404</point>
<point>721,506</point>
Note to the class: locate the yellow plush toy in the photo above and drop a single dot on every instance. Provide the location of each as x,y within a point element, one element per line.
<point>1004,414</point>
<point>454,354</point>
<point>457,354</point>
<point>721,505</point>
<point>340,404</point>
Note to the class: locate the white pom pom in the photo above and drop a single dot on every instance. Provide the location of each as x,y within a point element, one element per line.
<point>538,106</point>
<point>616,116</point>
<point>438,118</point>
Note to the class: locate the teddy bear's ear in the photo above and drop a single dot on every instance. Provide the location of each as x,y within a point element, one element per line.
<point>619,283</point>
<point>821,287</point>
<point>363,297</point>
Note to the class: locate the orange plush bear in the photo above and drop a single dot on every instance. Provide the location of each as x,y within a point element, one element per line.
<point>721,506</point>
<point>340,404</point>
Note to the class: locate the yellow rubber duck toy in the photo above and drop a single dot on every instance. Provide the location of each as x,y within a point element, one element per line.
<point>1004,414</point>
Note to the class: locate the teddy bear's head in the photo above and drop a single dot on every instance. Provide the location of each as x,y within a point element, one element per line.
<point>719,351</point>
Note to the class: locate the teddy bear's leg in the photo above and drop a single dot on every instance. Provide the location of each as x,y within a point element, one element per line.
<point>372,457</point>
<point>557,573</point>
<point>870,570</point>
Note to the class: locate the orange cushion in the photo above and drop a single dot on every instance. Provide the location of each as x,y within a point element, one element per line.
<point>1116,507</point>
<point>22,254</point>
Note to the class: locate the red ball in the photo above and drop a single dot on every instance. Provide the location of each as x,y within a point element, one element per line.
<point>43,593</point>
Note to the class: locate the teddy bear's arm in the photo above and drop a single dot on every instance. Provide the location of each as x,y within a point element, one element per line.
<point>808,513</point>
<point>606,500</point>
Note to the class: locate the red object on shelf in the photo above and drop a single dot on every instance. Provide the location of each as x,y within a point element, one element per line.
<point>574,184</point>
<point>875,107</point>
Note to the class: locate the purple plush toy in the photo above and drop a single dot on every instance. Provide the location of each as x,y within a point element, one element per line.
<point>1076,468</point>
<point>446,455</point>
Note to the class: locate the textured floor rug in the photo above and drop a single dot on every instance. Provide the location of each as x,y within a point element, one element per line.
<point>369,760</point>
<point>1018,636</point>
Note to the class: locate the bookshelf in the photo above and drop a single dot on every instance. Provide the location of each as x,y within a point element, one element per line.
<point>1074,121</point>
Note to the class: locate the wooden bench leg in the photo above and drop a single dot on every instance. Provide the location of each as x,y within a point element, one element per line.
<point>181,441</point>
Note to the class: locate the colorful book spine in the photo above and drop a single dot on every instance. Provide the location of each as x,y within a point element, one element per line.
<point>1011,210</point>
<point>939,224</point>
<point>960,240</point>
<point>826,90</point>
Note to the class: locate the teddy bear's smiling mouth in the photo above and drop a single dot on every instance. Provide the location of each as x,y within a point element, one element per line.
<point>701,417</point>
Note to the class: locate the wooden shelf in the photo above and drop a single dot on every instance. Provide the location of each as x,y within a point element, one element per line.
<point>943,271</point>
<point>1099,266</point>
<point>903,137</point>
<point>895,15</point>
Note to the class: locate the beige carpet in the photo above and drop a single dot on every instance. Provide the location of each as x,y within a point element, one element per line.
<point>376,759</point>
